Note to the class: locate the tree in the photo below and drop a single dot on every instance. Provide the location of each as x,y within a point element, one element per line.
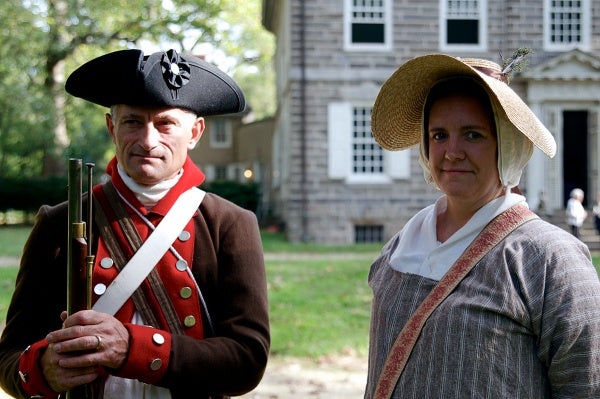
<point>45,39</point>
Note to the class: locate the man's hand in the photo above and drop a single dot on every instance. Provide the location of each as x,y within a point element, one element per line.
<point>87,340</point>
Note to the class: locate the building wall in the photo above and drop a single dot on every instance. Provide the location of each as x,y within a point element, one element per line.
<point>314,71</point>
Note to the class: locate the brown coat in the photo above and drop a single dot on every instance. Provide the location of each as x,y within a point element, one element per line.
<point>229,268</point>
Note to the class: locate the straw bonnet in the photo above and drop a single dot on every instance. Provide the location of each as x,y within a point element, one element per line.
<point>165,79</point>
<point>396,120</point>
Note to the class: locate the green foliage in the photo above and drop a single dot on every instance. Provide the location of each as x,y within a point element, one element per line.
<point>29,194</point>
<point>43,41</point>
<point>246,195</point>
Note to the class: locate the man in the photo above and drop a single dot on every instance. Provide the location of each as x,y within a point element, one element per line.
<point>197,324</point>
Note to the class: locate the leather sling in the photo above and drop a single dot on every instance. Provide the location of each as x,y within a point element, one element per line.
<point>490,236</point>
<point>121,261</point>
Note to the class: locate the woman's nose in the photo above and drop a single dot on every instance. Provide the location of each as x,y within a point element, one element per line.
<point>454,149</point>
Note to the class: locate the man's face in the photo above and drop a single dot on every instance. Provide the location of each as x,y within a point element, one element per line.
<point>151,144</point>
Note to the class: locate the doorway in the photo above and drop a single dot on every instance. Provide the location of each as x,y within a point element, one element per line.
<point>575,153</point>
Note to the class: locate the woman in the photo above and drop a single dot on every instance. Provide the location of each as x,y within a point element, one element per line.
<point>514,310</point>
<point>576,213</point>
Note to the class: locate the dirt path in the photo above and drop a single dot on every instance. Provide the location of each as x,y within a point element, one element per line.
<point>328,378</point>
<point>290,378</point>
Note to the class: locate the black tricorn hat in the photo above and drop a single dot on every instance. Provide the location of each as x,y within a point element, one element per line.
<point>161,79</point>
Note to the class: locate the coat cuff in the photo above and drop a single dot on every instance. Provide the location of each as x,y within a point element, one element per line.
<point>30,372</point>
<point>149,353</point>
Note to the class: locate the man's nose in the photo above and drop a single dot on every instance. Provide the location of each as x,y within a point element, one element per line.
<point>149,137</point>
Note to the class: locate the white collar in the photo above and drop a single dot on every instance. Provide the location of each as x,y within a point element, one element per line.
<point>149,195</point>
<point>419,251</point>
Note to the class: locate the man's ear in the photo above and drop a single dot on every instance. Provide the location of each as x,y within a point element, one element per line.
<point>110,126</point>
<point>197,130</point>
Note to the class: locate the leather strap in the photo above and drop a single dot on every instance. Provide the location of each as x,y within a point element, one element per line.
<point>148,255</point>
<point>491,235</point>
<point>115,250</point>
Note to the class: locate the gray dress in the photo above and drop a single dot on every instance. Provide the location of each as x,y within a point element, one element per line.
<point>524,323</point>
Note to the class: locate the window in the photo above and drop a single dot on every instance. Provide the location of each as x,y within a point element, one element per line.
<point>567,24</point>
<point>463,24</point>
<point>353,153</point>
<point>368,234</point>
<point>220,133</point>
<point>367,24</point>
<point>220,172</point>
<point>367,155</point>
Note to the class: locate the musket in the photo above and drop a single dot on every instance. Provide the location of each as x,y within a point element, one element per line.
<point>80,259</point>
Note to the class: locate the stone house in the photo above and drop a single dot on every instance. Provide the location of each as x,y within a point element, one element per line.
<point>233,149</point>
<point>332,183</point>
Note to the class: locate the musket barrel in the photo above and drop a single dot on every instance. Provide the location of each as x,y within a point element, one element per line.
<point>76,232</point>
<point>80,260</point>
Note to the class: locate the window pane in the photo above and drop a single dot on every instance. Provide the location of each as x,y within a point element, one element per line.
<point>367,156</point>
<point>368,233</point>
<point>368,33</point>
<point>463,31</point>
<point>566,22</point>
<point>368,21</point>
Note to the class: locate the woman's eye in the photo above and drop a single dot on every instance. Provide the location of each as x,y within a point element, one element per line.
<point>472,135</point>
<point>438,136</point>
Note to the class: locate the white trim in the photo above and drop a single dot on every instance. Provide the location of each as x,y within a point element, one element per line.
<point>226,125</point>
<point>483,32</point>
<point>339,144</point>
<point>387,30</point>
<point>586,23</point>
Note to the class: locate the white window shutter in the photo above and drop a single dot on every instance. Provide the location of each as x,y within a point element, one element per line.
<point>232,173</point>
<point>339,139</point>
<point>398,164</point>
<point>209,172</point>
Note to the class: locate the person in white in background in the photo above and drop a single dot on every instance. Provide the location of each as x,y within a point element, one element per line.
<point>576,214</point>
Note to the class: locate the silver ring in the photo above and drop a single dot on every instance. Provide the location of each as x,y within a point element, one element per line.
<point>99,345</point>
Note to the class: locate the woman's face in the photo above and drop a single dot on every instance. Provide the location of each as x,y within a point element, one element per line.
<point>463,150</point>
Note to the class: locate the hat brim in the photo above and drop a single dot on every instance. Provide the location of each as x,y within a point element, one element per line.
<point>132,78</point>
<point>397,113</point>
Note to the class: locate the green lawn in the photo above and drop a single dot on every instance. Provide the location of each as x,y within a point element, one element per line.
<point>318,305</point>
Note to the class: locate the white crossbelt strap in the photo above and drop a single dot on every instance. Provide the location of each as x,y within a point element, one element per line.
<point>148,255</point>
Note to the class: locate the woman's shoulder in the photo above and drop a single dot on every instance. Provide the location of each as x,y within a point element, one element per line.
<point>540,238</point>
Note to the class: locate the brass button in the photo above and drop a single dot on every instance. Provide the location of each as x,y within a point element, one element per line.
<point>158,339</point>
<point>106,263</point>
<point>155,365</point>
<point>185,292</point>
<point>189,321</point>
